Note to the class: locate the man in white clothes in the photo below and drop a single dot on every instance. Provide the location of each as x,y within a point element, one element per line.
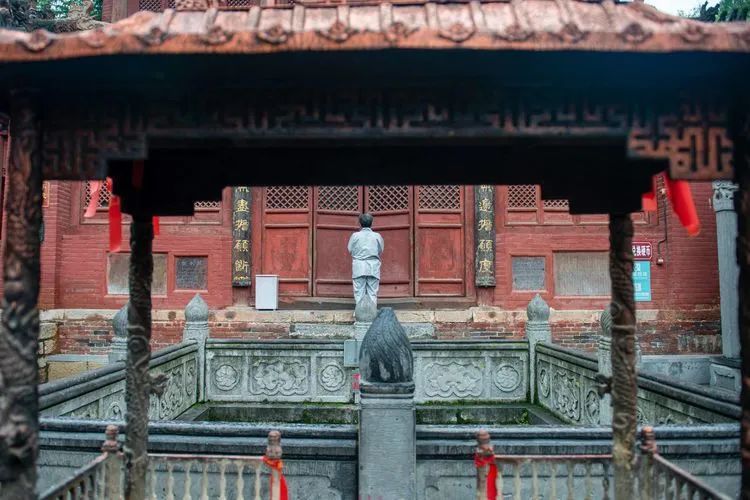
<point>366,247</point>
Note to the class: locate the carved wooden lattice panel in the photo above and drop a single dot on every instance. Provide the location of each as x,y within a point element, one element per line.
<point>437,197</point>
<point>388,198</point>
<point>152,5</point>
<point>287,198</point>
<point>561,205</point>
<point>207,205</point>
<point>522,196</point>
<point>338,198</point>
<point>104,196</point>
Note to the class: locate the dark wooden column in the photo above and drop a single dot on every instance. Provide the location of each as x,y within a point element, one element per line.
<point>741,138</point>
<point>19,421</point>
<point>138,384</point>
<point>624,381</point>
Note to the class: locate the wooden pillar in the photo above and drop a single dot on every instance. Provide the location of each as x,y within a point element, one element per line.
<point>19,421</point>
<point>741,138</point>
<point>138,384</point>
<point>624,381</point>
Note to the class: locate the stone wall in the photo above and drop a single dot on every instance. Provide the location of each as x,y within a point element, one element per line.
<point>100,394</point>
<point>567,387</point>
<point>314,371</point>
<point>89,331</point>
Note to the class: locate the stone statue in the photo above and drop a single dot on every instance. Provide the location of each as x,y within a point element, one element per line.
<point>365,246</point>
<point>386,356</point>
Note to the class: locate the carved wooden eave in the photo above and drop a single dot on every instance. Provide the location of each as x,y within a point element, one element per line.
<point>529,25</point>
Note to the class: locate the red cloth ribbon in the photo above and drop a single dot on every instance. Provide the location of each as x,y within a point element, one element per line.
<point>681,199</point>
<point>491,484</point>
<point>277,465</point>
<point>115,221</point>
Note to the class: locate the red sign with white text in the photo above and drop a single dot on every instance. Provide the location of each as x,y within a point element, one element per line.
<point>642,250</point>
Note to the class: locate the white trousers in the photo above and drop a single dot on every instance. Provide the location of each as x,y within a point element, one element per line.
<point>368,285</point>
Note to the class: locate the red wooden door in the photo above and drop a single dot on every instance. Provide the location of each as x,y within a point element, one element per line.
<point>337,209</point>
<point>391,207</point>
<point>440,249</point>
<point>287,238</point>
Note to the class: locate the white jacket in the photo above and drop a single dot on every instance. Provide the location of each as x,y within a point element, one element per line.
<point>366,247</point>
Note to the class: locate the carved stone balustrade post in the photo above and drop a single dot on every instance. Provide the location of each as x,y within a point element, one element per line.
<point>604,358</point>
<point>113,465</point>
<point>19,333</point>
<point>537,330</point>
<point>624,385</point>
<point>387,423</point>
<point>119,351</point>
<point>196,328</point>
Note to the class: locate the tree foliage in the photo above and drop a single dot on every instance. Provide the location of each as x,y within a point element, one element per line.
<point>725,10</point>
<point>59,8</point>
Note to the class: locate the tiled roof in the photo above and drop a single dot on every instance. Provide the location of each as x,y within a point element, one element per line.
<point>516,25</point>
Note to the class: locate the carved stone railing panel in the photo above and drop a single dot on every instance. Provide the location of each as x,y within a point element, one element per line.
<point>101,393</point>
<point>289,371</point>
<point>566,386</point>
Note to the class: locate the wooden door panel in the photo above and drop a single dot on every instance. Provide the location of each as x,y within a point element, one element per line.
<point>337,209</point>
<point>287,238</point>
<point>440,241</point>
<point>391,207</point>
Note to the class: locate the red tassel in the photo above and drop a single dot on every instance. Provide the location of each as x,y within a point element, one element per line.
<point>96,189</point>
<point>681,199</point>
<point>491,484</point>
<point>155,222</point>
<point>683,205</point>
<point>115,221</point>
<point>279,466</point>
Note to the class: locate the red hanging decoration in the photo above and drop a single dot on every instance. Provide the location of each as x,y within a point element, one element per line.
<point>115,221</point>
<point>491,484</point>
<point>681,199</point>
<point>278,465</point>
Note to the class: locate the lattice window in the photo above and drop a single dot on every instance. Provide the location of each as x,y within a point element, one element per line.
<point>339,198</point>
<point>556,205</point>
<point>152,5</point>
<point>388,198</point>
<point>104,196</point>
<point>434,197</point>
<point>206,206</point>
<point>238,3</point>
<point>287,198</point>
<point>522,196</point>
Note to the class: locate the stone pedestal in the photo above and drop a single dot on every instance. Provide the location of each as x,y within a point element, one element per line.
<point>387,421</point>
<point>387,442</point>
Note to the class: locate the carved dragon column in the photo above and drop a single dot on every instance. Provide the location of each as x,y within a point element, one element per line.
<point>138,383</point>
<point>624,386</point>
<point>19,421</point>
<point>742,206</point>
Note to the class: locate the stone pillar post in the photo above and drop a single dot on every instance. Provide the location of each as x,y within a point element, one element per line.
<point>537,330</point>
<point>624,385</point>
<point>137,380</point>
<point>196,328</point>
<point>119,350</point>
<point>729,270</point>
<point>19,333</point>
<point>387,423</point>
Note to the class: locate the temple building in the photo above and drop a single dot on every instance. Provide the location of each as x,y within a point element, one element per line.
<point>465,259</point>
